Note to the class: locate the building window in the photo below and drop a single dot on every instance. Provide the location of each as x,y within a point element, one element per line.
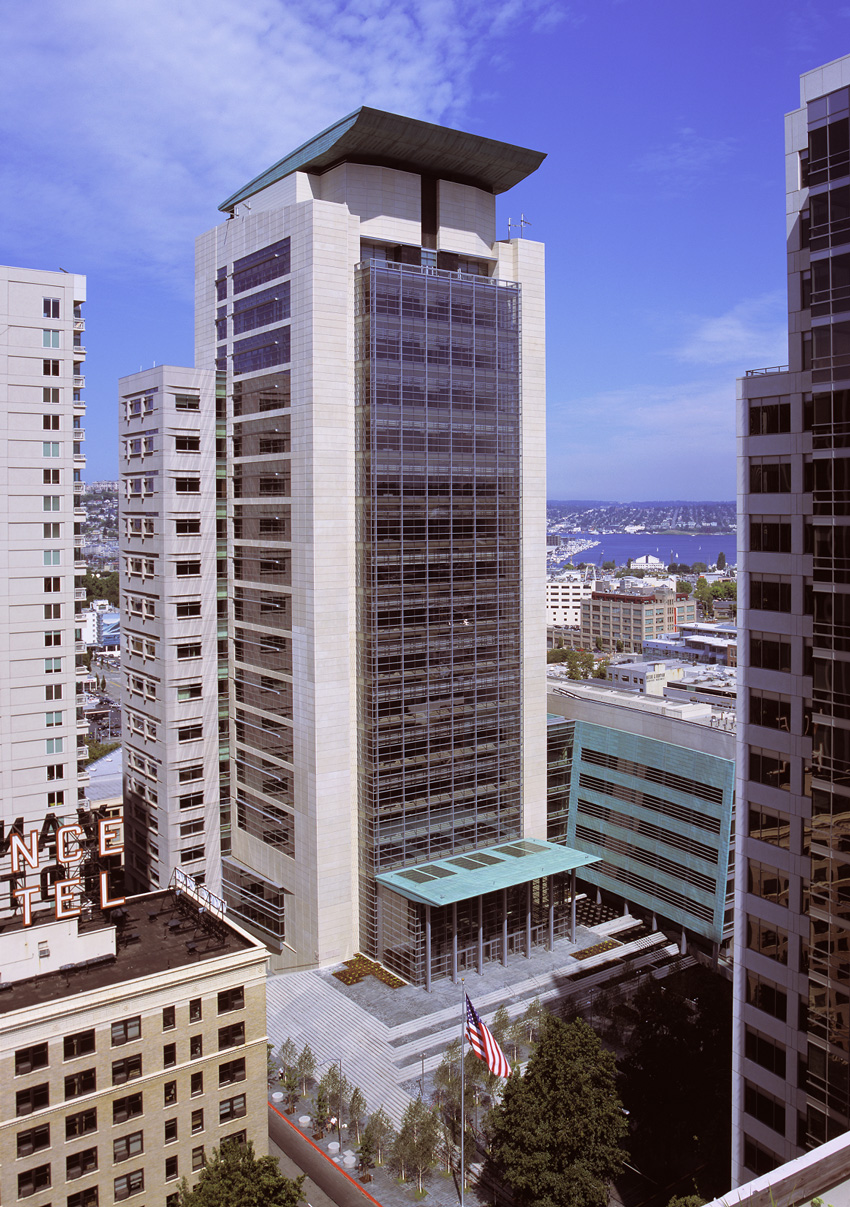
<point>127,1069</point>
<point>187,402</point>
<point>51,503</point>
<point>187,444</point>
<point>53,637</point>
<point>171,1168</point>
<point>192,801</point>
<point>169,1092</point>
<point>769,940</point>
<point>52,585</point>
<point>769,825</point>
<point>50,448</point>
<point>770,594</point>
<point>769,536</point>
<point>79,1044</point>
<point>188,569</point>
<point>232,1108</point>
<point>770,652</point>
<point>770,710</point>
<point>169,1017</point>
<point>170,1131</point>
<point>768,416</point>
<point>169,1056</point>
<point>187,486</point>
<point>81,1123</point>
<point>77,1084</point>
<point>36,1098</point>
<point>230,1071</point>
<point>27,1060</point>
<point>129,1184</point>
<point>80,1163</point>
<point>196,1047</point>
<point>33,1140</point>
<point>33,1180</point>
<point>765,1052</point>
<point>189,733</point>
<point>50,368</point>
<point>190,691</point>
<point>84,1198</point>
<point>50,308</point>
<point>50,423</point>
<point>191,607</point>
<point>53,691</point>
<point>770,768</point>
<point>765,1107</point>
<point>231,1036</point>
<point>768,883</point>
<point>195,1010</point>
<point>197,1084</point>
<point>127,1030</point>
<point>128,1146</point>
<point>198,1160</point>
<point>130,1107</point>
<point>769,476</point>
<point>231,999</point>
<point>197,1121</point>
<point>192,650</point>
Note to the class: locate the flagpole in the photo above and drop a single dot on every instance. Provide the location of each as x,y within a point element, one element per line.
<point>462,1080</point>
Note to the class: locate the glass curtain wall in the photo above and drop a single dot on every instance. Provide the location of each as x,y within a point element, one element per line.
<point>438,463</point>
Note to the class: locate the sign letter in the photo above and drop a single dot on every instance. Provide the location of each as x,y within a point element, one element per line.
<point>67,903</point>
<point>25,895</point>
<point>105,902</point>
<point>65,853</point>
<point>111,833</point>
<point>20,848</point>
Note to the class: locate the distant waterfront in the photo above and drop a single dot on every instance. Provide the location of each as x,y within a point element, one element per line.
<point>620,546</point>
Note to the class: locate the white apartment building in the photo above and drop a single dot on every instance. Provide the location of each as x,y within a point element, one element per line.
<point>167,524</point>
<point>563,599</point>
<point>41,465</point>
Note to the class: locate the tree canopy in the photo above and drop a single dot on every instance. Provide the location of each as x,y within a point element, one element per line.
<point>676,1080</point>
<point>556,1136</point>
<point>234,1177</point>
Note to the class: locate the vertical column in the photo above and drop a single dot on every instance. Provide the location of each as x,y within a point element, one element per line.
<point>379,919</point>
<point>573,906</point>
<point>551,896</point>
<point>505,927</point>
<point>454,942</point>
<point>528,920</point>
<point>480,936</point>
<point>427,948</point>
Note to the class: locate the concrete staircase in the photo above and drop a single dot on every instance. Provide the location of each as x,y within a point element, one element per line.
<point>380,1058</point>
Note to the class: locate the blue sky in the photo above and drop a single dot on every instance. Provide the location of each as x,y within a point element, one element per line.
<point>122,126</point>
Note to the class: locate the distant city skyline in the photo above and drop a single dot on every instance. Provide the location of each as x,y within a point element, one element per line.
<point>661,209</point>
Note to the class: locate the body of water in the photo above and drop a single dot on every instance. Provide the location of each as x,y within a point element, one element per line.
<point>620,546</point>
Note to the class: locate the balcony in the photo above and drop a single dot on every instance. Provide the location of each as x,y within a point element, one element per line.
<point>81,565</point>
<point>82,752</point>
<point>80,513</point>
<point>79,324</point>
<point>79,593</point>
<point>78,350</point>
<point>78,433</point>
<point>83,776</point>
<point>79,488</point>
<point>80,647</point>
<point>79,382</point>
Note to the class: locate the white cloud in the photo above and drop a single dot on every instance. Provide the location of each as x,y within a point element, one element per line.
<point>125,124</point>
<point>685,157</point>
<point>752,333</point>
<point>609,445</point>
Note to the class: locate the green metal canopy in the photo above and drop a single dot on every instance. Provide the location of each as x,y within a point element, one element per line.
<point>389,140</point>
<point>459,877</point>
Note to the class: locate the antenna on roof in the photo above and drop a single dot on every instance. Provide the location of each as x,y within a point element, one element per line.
<point>523,222</point>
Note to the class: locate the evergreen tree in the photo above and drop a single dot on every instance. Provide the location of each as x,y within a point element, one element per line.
<point>721,561</point>
<point>556,1137</point>
<point>234,1177</point>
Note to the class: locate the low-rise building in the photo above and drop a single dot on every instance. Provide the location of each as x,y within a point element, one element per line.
<point>131,1045</point>
<point>650,678</point>
<point>647,785</point>
<point>563,598</point>
<point>697,641</point>
<point>622,623</point>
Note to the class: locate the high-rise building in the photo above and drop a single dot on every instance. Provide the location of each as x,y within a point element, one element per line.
<point>41,463</point>
<point>383,354</point>
<point>792,1016</point>
<point>167,523</point>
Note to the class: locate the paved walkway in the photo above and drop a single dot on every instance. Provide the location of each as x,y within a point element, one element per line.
<point>385,1036</point>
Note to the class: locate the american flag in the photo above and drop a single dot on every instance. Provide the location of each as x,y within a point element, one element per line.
<point>483,1044</point>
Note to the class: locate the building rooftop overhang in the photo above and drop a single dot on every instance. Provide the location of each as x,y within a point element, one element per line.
<point>473,873</point>
<point>372,136</point>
